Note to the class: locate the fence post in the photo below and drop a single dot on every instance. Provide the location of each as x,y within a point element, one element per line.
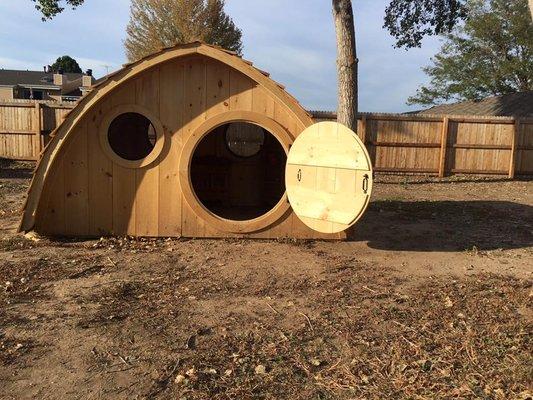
<point>443,146</point>
<point>514,140</point>
<point>37,147</point>
<point>362,134</point>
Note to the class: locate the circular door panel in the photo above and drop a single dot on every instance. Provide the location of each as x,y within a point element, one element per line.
<point>328,177</point>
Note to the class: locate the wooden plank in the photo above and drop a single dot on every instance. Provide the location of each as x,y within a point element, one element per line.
<point>100,178</point>
<point>263,103</point>
<point>480,120</point>
<point>37,126</point>
<point>147,202</point>
<point>52,209</point>
<point>405,144</point>
<point>514,141</point>
<point>479,172</point>
<point>16,132</point>
<point>124,180</point>
<point>77,184</point>
<point>241,91</point>
<point>147,178</point>
<point>481,146</point>
<point>443,147</point>
<point>407,170</point>
<point>124,185</point>
<point>362,133</point>
<point>194,116</point>
<point>172,104</point>
<point>16,105</point>
<point>217,88</point>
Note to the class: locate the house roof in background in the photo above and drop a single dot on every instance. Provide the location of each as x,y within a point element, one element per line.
<point>9,77</point>
<point>508,105</point>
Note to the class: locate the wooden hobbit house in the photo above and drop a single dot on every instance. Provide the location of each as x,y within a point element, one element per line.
<point>194,141</point>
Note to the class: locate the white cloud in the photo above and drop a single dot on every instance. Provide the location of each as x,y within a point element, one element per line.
<point>293,40</point>
<point>10,63</point>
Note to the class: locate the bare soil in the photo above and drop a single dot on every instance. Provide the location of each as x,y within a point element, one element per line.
<point>430,299</point>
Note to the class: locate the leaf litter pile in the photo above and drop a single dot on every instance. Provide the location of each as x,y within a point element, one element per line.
<point>176,320</point>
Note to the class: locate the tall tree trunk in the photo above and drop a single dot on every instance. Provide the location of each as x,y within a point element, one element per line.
<point>346,63</point>
<point>531,8</point>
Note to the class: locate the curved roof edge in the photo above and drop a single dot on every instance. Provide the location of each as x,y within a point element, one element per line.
<point>129,71</point>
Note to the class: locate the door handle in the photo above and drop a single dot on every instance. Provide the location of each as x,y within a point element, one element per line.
<point>366,179</point>
<point>299,175</point>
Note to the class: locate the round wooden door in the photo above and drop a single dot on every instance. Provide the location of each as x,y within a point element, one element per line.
<point>328,177</point>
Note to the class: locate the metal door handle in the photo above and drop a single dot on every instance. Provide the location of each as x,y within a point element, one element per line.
<point>299,176</point>
<point>366,178</point>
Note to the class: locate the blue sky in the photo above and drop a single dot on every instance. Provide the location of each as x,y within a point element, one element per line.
<point>293,40</point>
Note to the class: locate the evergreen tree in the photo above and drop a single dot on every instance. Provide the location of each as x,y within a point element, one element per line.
<point>161,23</point>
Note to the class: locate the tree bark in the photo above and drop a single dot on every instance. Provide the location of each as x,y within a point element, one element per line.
<point>346,63</point>
<point>531,8</point>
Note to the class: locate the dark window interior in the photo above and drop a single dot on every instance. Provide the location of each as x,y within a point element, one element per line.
<point>131,136</point>
<point>38,95</point>
<point>244,140</point>
<point>31,94</point>
<point>238,171</point>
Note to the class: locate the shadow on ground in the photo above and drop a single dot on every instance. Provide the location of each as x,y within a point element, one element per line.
<point>391,179</point>
<point>445,225</point>
<point>11,169</point>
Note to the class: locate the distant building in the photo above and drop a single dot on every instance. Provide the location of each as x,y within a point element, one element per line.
<point>43,85</point>
<point>507,105</point>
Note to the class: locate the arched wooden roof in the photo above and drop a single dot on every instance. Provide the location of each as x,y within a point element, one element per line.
<point>129,71</point>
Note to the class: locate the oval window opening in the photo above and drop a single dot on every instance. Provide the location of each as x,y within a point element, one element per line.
<point>238,171</point>
<point>131,136</point>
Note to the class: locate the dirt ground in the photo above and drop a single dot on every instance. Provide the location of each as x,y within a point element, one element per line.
<point>430,299</point>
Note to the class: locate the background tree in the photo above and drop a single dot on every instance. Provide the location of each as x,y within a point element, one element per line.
<point>347,63</point>
<point>66,64</point>
<point>160,23</point>
<point>409,21</point>
<point>490,54</point>
<point>50,8</point>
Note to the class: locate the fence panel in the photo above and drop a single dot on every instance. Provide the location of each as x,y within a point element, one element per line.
<point>444,145</point>
<point>398,143</point>
<point>524,157</point>
<point>18,135</point>
<point>25,126</point>
<point>403,145</point>
<point>480,148</point>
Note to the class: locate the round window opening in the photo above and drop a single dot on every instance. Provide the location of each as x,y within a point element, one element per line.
<point>132,136</point>
<point>238,171</point>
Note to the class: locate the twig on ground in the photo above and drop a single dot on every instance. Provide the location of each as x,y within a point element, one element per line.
<point>123,360</point>
<point>404,326</point>
<point>94,268</point>
<point>272,308</point>
<point>308,320</point>
<point>370,290</point>
<point>120,370</point>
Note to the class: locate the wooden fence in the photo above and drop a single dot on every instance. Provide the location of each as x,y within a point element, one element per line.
<point>444,145</point>
<point>397,143</point>
<point>25,127</point>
